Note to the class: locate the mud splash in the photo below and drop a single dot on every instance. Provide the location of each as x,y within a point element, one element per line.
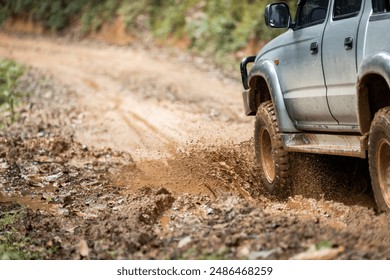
<point>199,170</point>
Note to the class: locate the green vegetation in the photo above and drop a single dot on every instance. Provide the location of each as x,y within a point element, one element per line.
<point>54,14</point>
<point>13,246</point>
<point>9,96</point>
<point>325,244</point>
<point>216,27</point>
<point>96,12</point>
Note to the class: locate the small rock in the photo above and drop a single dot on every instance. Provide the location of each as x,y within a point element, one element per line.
<point>262,254</point>
<point>209,210</point>
<point>70,229</point>
<point>83,249</point>
<point>223,164</point>
<point>243,251</point>
<point>184,242</point>
<point>111,204</point>
<point>322,254</point>
<point>53,177</point>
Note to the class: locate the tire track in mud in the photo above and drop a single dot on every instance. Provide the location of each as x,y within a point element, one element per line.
<point>159,101</point>
<point>137,123</point>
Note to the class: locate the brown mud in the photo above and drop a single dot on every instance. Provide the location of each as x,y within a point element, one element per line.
<point>134,153</point>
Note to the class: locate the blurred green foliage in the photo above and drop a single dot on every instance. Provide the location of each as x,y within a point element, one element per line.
<point>212,26</point>
<point>96,12</point>
<point>54,14</point>
<point>9,96</point>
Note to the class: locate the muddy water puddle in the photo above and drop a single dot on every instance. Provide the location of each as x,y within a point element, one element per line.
<point>32,191</point>
<point>30,201</point>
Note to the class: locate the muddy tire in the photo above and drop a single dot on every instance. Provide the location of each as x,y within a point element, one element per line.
<point>379,158</point>
<point>271,156</point>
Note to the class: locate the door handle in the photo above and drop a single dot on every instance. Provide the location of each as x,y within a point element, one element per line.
<point>314,48</point>
<point>348,43</point>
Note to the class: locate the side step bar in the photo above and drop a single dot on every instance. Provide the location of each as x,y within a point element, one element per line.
<point>341,145</point>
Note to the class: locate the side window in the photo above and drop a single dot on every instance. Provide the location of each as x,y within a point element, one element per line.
<point>312,12</point>
<point>381,6</point>
<point>346,8</point>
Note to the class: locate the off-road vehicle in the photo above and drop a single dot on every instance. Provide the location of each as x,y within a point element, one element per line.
<point>323,87</point>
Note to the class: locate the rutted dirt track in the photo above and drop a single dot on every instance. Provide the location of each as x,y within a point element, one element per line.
<point>130,152</point>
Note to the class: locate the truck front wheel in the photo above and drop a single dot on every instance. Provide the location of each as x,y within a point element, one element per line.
<point>271,156</point>
<point>379,158</point>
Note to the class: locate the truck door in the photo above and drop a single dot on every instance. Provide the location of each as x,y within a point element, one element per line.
<point>339,61</point>
<point>300,68</point>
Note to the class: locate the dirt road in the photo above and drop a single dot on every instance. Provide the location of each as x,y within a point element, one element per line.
<point>135,100</point>
<point>136,152</point>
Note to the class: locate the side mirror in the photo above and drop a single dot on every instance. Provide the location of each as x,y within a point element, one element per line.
<point>277,15</point>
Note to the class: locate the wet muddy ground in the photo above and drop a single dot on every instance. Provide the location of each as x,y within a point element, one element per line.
<point>89,172</point>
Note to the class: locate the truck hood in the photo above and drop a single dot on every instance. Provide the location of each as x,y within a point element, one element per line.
<point>274,44</point>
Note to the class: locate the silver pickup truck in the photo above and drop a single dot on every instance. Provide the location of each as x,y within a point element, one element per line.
<point>323,87</point>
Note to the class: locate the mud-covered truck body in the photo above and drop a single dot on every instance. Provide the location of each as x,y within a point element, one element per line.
<point>323,87</point>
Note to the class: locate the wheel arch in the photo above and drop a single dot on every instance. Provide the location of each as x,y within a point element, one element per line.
<point>264,85</point>
<point>373,88</point>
